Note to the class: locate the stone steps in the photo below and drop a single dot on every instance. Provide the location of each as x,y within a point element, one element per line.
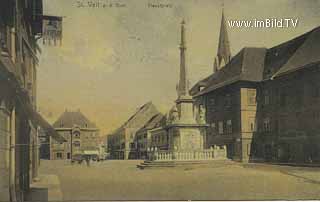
<point>191,163</point>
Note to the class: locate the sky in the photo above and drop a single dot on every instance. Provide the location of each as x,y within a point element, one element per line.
<point>113,60</point>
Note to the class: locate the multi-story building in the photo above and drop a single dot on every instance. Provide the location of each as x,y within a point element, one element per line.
<point>20,124</point>
<point>230,103</point>
<point>263,104</point>
<point>82,136</point>
<point>288,98</point>
<point>121,143</point>
<point>151,135</point>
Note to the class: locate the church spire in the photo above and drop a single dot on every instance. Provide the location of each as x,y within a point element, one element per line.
<point>223,55</point>
<point>183,89</point>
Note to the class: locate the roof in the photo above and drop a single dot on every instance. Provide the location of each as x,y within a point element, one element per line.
<point>202,83</point>
<point>155,121</point>
<point>69,119</point>
<point>46,127</point>
<point>247,65</point>
<point>140,117</point>
<point>296,53</point>
<point>258,64</point>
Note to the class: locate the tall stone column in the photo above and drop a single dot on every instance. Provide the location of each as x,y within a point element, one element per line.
<point>184,102</point>
<point>184,131</point>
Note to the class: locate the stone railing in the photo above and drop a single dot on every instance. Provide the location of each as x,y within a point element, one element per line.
<point>206,154</point>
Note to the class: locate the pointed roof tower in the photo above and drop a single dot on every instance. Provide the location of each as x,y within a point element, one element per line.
<point>183,87</point>
<point>223,54</point>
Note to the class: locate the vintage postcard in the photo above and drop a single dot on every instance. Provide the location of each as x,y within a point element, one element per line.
<point>159,100</point>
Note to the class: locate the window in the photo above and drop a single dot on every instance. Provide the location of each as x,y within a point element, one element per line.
<point>228,100</point>
<point>283,97</point>
<point>68,155</point>
<point>315,88</point>
<point>76,134</point>
<point>201,88</point>
<point>251,97</point>
<point>266,125</point>
<point>316,115</point>
<point>212,101</point>
<point>283,124</point>
<point>220,125</point>
<point>266,97</point>
<point>76,144</point>
<point>213,128</point>
<point>252,125</point>
<point>248,149</point>
<point>59,155</point>
<point>229,126</point>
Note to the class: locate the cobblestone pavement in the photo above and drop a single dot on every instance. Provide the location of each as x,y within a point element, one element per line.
<point>121,180</point>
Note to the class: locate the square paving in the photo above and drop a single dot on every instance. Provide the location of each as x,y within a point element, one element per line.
<point>121,180</point>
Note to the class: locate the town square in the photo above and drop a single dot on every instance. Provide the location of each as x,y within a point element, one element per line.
<point>159,100</point>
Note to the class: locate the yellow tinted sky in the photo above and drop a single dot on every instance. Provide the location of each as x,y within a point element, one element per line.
<point>113,60</point>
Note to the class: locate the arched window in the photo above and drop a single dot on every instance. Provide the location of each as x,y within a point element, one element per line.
<point>76,143</point>
<point>76,134</point>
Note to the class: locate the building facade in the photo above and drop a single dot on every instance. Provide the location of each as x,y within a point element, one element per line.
<point>288,102</point>
<point>263,104</point>
<point>20,124</point>
<point>230,103</point>
<point>152,135</point>
<point>82,136</point>
<point>121,143</point>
